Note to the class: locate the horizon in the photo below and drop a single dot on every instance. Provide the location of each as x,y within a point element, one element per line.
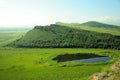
<point>18,13</point>
<point>32,26</point>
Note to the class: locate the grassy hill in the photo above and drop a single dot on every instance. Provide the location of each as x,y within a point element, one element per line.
<point>38,64</point>
<point>68,37</point>
<point>94,26</point>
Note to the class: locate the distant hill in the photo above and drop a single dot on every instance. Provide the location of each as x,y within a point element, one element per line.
<point>94,26</point>
<point>100,25</point>
<point>59,36</point>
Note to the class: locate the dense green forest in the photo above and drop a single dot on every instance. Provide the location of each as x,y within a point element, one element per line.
<point>59,36</point>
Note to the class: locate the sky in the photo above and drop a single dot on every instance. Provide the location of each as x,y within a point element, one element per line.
<point>45,12</point>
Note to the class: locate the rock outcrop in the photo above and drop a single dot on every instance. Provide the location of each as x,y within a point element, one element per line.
<point>108,75</point>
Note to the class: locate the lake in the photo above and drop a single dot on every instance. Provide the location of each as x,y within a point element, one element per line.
<point>92,60</point>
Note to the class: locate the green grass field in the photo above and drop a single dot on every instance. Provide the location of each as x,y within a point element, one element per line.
<point>9,35</point>
<point>37,63</point>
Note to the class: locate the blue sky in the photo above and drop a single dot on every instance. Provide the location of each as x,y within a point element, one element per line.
<point>44,12</point>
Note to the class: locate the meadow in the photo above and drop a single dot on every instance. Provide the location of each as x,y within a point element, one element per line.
<point>37,63</point>
<point>8,35</point>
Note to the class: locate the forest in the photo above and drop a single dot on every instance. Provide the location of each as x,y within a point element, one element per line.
<point>59,36</point>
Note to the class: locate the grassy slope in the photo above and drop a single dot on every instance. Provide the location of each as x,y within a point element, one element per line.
<point>37,64</point>
<point>94,26</point>
<point>62,36</point>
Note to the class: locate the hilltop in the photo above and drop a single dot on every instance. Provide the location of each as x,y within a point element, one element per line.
<point>94,26</point>
<point>63,36</point>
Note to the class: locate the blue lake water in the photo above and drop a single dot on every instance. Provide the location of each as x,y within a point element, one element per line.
<point>92,60</point>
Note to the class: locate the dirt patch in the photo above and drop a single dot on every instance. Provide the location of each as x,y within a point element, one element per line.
<point>110,75</point>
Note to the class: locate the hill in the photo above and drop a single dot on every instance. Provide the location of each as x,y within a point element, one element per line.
<point>94,26</point>
<point>101,25</point>
<point>58,36</point>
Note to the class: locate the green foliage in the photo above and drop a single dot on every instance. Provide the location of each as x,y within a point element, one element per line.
<point>57,36</point>
<point>37,64</point>
<point>94,26</point>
